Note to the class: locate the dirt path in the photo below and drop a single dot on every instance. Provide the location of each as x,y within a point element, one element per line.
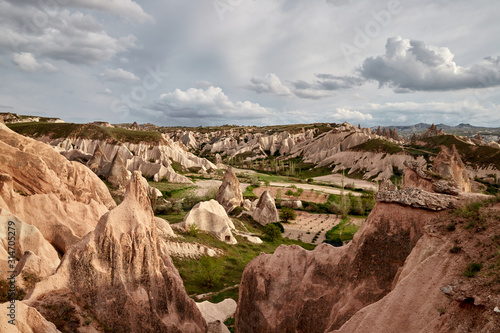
<point>336,179</point>
<point>325,189</point>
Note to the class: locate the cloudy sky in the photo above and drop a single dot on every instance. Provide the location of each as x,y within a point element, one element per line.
<point>252,62</point>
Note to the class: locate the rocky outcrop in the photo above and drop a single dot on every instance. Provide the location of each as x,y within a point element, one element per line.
<point>265,211</point>
<point>448,175</point>
<point>386,185</point>
<point>153,160</point>
<point>417,177</point>
<point>417,198</point>
<point>63,199</point>
<point>430,132</point>
<point>35,255</point>
<point>295,290</point>
<point>118,174</point>
<point>211,217</point>
<point>449,166</point>
<point>27,320</point>
<point>229,193</point>
<point>216,313</point>
<point>370,164</point>
<point>119,275</point>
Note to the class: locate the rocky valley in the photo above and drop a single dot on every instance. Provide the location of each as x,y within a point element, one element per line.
<point>295,228</point>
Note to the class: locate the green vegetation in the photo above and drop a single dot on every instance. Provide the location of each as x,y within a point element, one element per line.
<point>287,214</point>
<point>344,231</point>
<point>378,146</point>
<point>248,194</point>
<point>272,233</point>
<point>471,212</point>
<point>4,292</point>
<point>231,264</point>
<point>475,155</point>
<point>86,131</point>
<point>472,269</point>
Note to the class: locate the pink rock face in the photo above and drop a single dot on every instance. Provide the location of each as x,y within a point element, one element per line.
<point>449,165</point>
<point>119,274</point>
<point>295,290</point>
<point>63,199</point>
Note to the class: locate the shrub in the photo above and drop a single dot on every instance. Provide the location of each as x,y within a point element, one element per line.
<point>337,242</point>
<point>287,214</point>
<point>289,193</point>
<point>455,249</point>
<point>236,211</point>
<point>193,230</point>
<point>210,271</point>
<point>472,269</point>
<point>356,206</point>
<point>280,226</point>
<point>272,232</point>
<point>450,227</point>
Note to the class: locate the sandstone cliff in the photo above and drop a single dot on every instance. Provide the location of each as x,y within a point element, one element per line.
<point>400,273</point>
<point>64,200</point>
<point>119,275</point>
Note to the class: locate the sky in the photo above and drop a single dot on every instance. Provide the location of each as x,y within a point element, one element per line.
<point>252,62</point>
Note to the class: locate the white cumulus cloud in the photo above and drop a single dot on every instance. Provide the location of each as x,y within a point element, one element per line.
<point>28,63</point>
<point>118,74</point>
<point>345,114</point>
<point>207,103</point>
<point>270,84</point>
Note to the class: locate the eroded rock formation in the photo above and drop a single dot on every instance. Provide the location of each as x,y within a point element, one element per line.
<point>211,217</point>
<point>295,290</point>
<point>229,193</point>
<point>35,255</point>
<point>265,211</point>
<point>119,275</point>
<point>63,199</point>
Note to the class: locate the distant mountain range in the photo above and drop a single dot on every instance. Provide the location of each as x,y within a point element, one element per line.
<point>488,133</point>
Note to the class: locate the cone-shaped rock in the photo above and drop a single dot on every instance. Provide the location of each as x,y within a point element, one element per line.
<point>229,193</point>
<point>265,211</point>
<point>118,274</point>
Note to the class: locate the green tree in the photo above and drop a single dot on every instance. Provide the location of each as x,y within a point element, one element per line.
<point>287,214</point>
<point>272,232</point>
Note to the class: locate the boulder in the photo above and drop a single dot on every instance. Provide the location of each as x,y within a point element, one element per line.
<point>295,204</point>
<point>118,275</point>
<point>265,211</point>
<point>217,311</point>
<point>211,217</point>
<point>229,193</point>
